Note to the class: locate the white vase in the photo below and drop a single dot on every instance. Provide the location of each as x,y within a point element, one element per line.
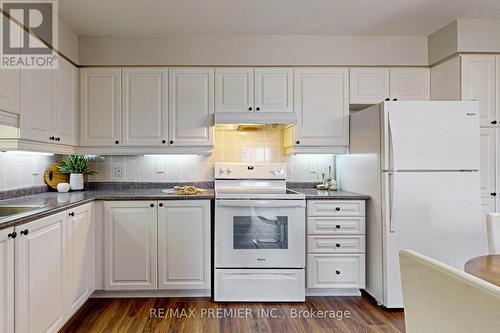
<point>76,181</point>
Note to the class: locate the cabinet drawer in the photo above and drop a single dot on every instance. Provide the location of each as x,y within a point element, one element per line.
<point>335,244</point>
<point>335,271</point>
<point>335,225</point>
<point>336,208</point>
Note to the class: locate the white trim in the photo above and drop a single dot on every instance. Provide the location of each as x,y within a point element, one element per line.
<point>122,150</point>
<point>26,145</point>
<point>332,292</point>
<point>316,150</point>
<point>151,293</point>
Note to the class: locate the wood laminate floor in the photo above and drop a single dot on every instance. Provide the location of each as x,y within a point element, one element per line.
<point>360,314</point>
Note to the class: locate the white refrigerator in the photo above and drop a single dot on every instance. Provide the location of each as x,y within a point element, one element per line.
<point>419,162</point>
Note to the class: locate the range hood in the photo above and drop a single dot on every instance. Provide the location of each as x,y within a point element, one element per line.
<point>267,118</point>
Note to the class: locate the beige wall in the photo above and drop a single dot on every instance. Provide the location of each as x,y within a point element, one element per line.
<point>254,50</point>
<point>478,35</point>
<point>68,41</point>
<point>442,43</point>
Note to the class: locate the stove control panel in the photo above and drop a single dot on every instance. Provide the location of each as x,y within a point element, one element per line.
<point>250,171</point>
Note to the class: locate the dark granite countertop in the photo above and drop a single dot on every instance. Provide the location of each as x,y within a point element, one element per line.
<point>313,194</point>
<point>54,202</point>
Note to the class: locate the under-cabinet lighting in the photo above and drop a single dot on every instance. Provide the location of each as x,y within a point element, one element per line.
<point>173,155</point>
<point>21,152</point>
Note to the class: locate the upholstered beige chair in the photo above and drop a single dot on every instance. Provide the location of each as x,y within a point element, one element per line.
<point>493,231</point>
<point>439,298</point>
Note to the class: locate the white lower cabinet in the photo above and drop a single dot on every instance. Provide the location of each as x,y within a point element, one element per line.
<point>130,229</point>
<point>335,246</point>
<point>7,280</point>
<point>41,275</point>
<point>184,244</point>
<point>80,256</point>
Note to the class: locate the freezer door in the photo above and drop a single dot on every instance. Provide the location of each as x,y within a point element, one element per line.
<point>437,214</point>
<point>431,136</point>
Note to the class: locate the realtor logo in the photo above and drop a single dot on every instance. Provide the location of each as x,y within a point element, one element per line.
<point>29,34</point>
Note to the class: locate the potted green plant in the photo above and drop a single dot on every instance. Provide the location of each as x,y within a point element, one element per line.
<point>76,166</point>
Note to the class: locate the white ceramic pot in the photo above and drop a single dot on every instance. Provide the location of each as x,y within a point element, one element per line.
<point>76,181</point>
<point>63,187</point>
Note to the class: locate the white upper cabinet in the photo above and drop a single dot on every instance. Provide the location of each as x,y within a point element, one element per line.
<point>37,90</point>
<point>184,244</point>
<point>130,245</point>
<point>322,107</point>
<point>100,106</point>
<point>7,280</point>
<point>40,275</point>
<point>478,83</point>
<point>369,85</point>
<point>234,89</point>
<point>191,106</point>
<point>410,84</point>
<point>10,88</point>
<point>65,100</point>
<point>145,106</point>
<point>273,90</point>
<point>487,164</point>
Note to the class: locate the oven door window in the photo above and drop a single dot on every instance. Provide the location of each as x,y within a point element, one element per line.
<point>260,232</point>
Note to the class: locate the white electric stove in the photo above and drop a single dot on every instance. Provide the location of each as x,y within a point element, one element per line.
<point>259,234</point>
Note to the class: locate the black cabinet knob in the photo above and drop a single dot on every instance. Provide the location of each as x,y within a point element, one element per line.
<point>494,122</point>
<point>151,205</point>
<point>51,138</point>
<point>163,141</point>
<point>250,108</point>
<point>494,194</point>
<point>58,139</point>
<point>117,142</point>
<point>387,99</point>
<point>297,142</point>
<point>160,205</point>
<point>24,232</point>
<point>171,142</point>
<point>12,235</point>
<point>337,245</point>
<point>257,108</point>
<point>337,226</point>
<point>71,214</point>
<point>337,209</point>
<point>337,272</point>
<point>395,99</point>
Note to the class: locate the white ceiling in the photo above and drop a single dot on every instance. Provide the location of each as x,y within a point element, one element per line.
<point>334,17</point>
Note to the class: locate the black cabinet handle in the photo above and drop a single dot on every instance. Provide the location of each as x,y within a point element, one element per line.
<point>337,245</point>
<point>337,226</point>
<point>152,205</point>
<point>257,109</point>
<point>337,272</point>
<point>297,142</point>
<point>12,235</point>
<point>387,99</point>
<point>117,142</point>
<point>160,205</point>
<point>250,108</point>
<point>337,209</point>
<point>163,141</point>
<point>494,194</point>
<point>395,99</point>
<point>71,214</point>
<point>24,232</point>
<point>171,142</point>
<point>494,122</point>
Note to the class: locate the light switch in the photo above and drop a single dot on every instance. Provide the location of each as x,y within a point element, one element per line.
<point>161,167</point>
<point>118,171</point>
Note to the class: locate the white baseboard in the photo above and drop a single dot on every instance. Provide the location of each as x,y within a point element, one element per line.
<point>332,292</point>
<point>151,293</point>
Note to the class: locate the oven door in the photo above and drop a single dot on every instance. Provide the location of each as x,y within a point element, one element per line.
<point>260,233</point>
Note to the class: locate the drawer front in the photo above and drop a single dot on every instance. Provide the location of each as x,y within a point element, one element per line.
<point>336,208</point>
<point>335,225</point>
<point>335,244</point>
<point>335,271</point>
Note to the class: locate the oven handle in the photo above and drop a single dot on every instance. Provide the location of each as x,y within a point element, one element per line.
<point>261,203</point>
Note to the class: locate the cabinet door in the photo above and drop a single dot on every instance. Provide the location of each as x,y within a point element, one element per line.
<point>80,260</point>
<point>234,90</point>
<point>65,103</point>
<point>478,83</point>
<point>6,281</point>
<point>273,90</point>
<point>191,106</point>
<point>410,84</point>
<point>368,85</point>
<point>184,244</point>
<point>41,275</point>
<point>487,164</point>
<point>130,239</point>
<point>145,108</point>
<point>100,107</point>
<point>37,89</point>
<point>10,87</point>
<point>487,206</point>
<point>321,99</point>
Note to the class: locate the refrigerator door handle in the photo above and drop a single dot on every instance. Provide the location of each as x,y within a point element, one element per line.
<point>392,210</point>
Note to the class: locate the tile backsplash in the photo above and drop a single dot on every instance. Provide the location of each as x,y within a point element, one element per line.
<point>263,145</point>
<point>23,170</point>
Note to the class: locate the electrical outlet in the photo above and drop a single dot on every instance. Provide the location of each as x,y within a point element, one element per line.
<point>118,171</point>
<point>35,168</point>
<point>161,167</point>
<point>313,167</point>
